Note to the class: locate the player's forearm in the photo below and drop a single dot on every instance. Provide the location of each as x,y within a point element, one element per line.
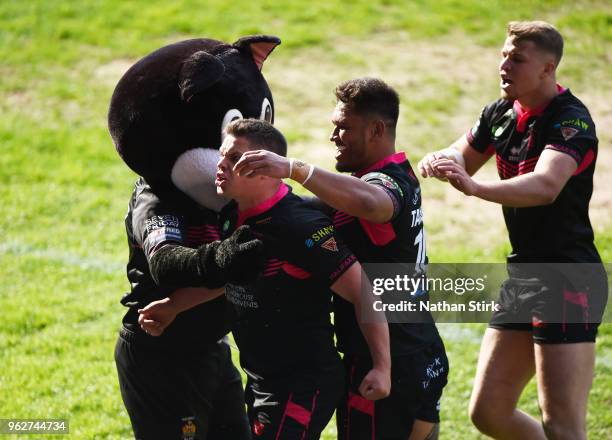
<point>519,192</point>
<point>345,193</point>
<point>189,297</point>
<point>377,337</point>
<point>355,288</point>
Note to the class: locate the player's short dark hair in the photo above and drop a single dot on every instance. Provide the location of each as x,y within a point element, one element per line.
<point>544,35</point>
<point>260,134</point>
<point>370,96</point>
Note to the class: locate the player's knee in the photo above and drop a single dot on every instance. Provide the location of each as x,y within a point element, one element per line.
<point>483,416</point>
<point>558,426</point>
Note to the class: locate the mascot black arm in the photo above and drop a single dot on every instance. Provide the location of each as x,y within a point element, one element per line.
<point>238,259</point>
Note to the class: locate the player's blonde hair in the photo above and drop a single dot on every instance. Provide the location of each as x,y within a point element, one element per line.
<point>544,35</point>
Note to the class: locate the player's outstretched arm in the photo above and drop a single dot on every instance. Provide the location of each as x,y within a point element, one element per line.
<point>156,316</point>
<point>340,191</point>
<point>540,187</point>
<point>377,383</point>
<point>460,152</point>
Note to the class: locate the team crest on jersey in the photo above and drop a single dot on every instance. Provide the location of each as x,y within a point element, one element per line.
<point>568,132</point>
<point>330,245</point>
<point>188,428</point>
<point>384,179</point>
<point>225,226</point>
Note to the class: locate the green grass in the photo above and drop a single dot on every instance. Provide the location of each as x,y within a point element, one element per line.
<point>64,190</point>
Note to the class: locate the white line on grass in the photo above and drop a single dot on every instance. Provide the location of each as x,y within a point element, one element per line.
<point>82,262</point>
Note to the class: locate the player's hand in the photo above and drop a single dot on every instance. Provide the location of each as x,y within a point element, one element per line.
<point>262,163</point>
<point>156,316</point>
<point>426,168</point>
<point>376,384</point>
<point>456,175</point>
<point>241,256</point>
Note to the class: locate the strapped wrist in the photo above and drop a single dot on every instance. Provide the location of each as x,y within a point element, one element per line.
<point>300,171</point>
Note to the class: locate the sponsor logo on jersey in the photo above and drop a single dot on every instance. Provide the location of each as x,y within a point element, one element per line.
<point>498,130</point>
<point>579,123</point>
<point>161,221</point>
<point>321,233</point>
<point>188,428</point>
<point>309,242</point>
<point>158,236</point>
<point>568,132</point>
<point>330,245</point>
<point>241,296</point>
<point>225,226</point>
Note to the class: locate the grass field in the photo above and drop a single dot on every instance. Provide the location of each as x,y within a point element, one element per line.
<point>64,190</point>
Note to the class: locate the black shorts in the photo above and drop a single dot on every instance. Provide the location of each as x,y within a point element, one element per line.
<point>296,408</point>
<point>417,381</point>
<point>558,303</point>
<point>181,392</point>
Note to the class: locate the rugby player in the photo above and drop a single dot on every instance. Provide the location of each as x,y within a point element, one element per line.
<point>283,328</point>
<point>545,146</point>
<point>377,213</point>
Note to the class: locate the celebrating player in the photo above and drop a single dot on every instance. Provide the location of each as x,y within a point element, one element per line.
<point>545,145</point>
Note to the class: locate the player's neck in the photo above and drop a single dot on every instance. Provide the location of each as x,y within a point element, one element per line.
<point>381,151</point>
<point>257,195</point>
<point>540,98</point>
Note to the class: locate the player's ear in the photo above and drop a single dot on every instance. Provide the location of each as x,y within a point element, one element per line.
<point>377,128</point>
<point>550,65</point>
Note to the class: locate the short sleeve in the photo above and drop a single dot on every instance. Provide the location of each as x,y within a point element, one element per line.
<point>155,224</point>
<point>479,137</point>
<point>572,133</point>
<point>391,187</point>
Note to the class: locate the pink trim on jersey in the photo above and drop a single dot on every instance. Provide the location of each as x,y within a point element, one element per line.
<point>295,271</point>
<point>263,206</point>
<point>380,234</point>
<point>588,159</point>
<point>523,115</point>
<point>394,158</point>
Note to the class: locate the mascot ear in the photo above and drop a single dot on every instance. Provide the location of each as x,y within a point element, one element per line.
<point>258,46</point>
<point>200,71</point>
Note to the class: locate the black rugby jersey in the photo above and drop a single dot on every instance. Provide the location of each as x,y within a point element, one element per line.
<point>283,319</point>
<point>561,231</point>
<point>401,240</point>
<point>150,223</point>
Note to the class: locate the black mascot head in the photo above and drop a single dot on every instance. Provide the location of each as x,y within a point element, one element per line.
<point>169,110</point>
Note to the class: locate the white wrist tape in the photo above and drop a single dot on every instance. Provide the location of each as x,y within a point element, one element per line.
<point>290,167</point>
<point>309,174</point>
<point>454,155</point>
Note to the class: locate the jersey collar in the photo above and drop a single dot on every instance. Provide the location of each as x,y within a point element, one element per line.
<point>394,158</point>
<point>523,115</point>
<point>263,206</point>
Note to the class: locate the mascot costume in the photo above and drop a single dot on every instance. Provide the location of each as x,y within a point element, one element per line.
<point>166,118</point>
